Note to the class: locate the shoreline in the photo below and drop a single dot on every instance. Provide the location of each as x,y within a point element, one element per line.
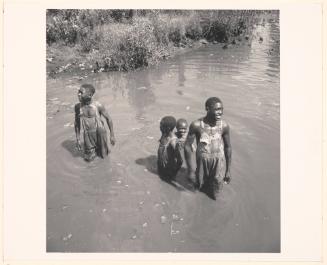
<point>82,41</point>
<point>58,60</point>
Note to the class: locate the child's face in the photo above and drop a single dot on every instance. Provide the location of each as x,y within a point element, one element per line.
<point>84,95</point>
<point>215,111</point>
<point>80,93</point>
<point>181,128</point>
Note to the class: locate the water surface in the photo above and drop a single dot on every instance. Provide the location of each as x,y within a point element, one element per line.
<point>117,204</point>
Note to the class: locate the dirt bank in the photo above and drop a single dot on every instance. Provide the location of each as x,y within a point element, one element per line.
<point>65,59</point>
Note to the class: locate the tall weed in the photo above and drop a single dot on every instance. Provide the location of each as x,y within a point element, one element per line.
<point>128,39</point>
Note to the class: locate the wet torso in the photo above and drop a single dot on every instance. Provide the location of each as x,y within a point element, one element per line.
<point>180,140</point>
<point>89,110</point>
<point>209,139</point>
<point>90,117</point>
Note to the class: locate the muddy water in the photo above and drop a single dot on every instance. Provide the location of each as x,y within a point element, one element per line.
<point>120,205</point>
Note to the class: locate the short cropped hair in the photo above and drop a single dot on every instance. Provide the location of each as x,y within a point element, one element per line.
<point>167,124</point>
<point>180,121</point>
<point>89,92</point>
<point>212,101</point>
<point>89,89</point>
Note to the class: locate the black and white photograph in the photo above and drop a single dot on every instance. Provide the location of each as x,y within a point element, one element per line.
<point>175,131</point>
<point>163,131</point>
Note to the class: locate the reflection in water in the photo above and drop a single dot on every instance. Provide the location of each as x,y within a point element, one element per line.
<point>181,72</point>
<point>134,86</point>
<point>118,84</point>
<point>119,202</point>
<point>140,92</point>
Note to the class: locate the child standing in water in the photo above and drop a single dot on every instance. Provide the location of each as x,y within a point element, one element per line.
<point>169,158</point>
<point>214,150</point>
<point>88,115</point>
<point>181,134</point>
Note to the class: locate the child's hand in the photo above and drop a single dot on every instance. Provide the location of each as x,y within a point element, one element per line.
<point>112,140</point>
<point>227,177</point>
<point>78,145</point>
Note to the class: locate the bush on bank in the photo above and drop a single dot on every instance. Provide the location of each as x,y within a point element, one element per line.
<point>128,39</point>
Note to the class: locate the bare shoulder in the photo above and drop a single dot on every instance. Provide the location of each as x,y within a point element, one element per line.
<point>97,104</point>
<point>225,126</point>
<point>195,125</point>
<point>173,141</point>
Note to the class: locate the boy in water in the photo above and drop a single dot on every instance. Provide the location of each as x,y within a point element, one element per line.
<point>181,133</point>
<point>181,127</point>
<point>169,158</point>
<point>88,117</point>
<point>212,135</point>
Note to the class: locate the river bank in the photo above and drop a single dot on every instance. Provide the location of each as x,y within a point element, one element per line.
<point>124,40</point>
<point>65,59</point>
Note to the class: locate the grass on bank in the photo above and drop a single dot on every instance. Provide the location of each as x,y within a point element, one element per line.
<point>129,39</point>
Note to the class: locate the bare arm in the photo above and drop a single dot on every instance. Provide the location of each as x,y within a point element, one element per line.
<point>77,126</point>
<point>191,136</point>
<point>227,151</point>
<point>108,119</point>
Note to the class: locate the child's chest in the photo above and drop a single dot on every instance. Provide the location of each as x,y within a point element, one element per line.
<point>212,131</point>
<point>88,111</point>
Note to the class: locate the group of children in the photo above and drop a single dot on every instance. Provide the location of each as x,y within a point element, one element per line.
<point>171,147</point>
<point>210,133</point>
<point>88,115</point>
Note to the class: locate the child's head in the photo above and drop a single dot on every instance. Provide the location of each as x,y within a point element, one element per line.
<point>214,108</point>
<point>211,102</point>
<point>181,126</point>
<point>85,93</point>
<point>167,124</point>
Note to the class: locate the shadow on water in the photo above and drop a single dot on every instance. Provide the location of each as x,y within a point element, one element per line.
<point>70,146</point>
<point>149,162</point>
<point>181,183</point>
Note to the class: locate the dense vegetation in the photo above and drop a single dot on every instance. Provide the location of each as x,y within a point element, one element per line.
<point>128,39</point>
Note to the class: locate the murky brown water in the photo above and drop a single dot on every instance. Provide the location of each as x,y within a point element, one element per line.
<point>116,204</point>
